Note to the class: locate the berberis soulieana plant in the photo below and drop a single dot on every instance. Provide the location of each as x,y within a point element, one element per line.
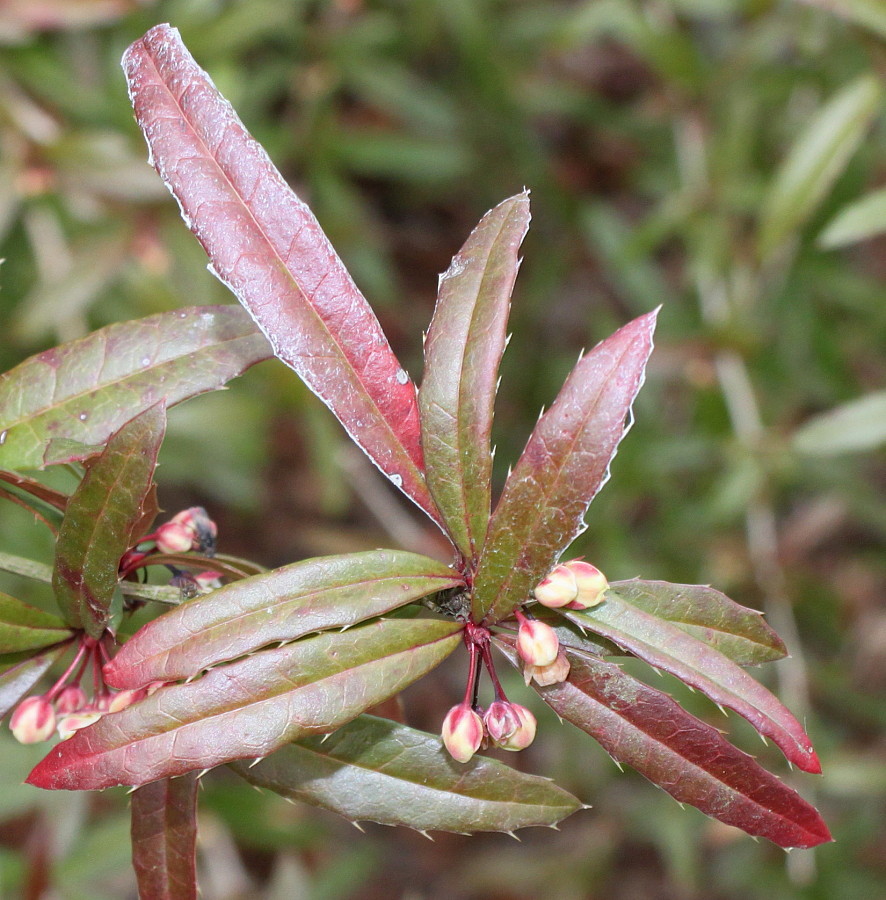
<point>272,673</point>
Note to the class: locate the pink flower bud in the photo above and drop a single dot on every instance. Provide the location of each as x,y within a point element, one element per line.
<point>462,732</point>
<point>203,530</point>
<point>554,673</point>
<point>33,720</point>
<point>591,582</point>
<point>173,537</point>
<point>557,588</point>
<point>208,580</point>
<point>537,643</point>
<point>71,698</point>
<point>67,725</point>
<point>501,721</point>
<point>524,735</point>
<point>122,699</point>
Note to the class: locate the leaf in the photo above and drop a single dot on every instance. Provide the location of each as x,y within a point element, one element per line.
<point>863,219</point>
<point>87,389</point>
<point>100,519</point>
<point>817,158</point>
<point>164,838</point>
<point>463,349</point>
<point>251,707</point>
<point>381,771</point>
<point>24,627</point>
<point>709,616</point>
<point>689,759</point>
<point>18,680</point>
<point>870,14</point>
<point>564,465</point>
<point>267,247</point>
<point>852,427</point>
<point>48,495</point>
<point>667,647</point>
<point>309,596</point>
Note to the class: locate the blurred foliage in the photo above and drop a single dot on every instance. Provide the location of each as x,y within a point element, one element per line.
<point>697,153</point>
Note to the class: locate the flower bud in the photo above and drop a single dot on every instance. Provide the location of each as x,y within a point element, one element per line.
<point>173,537</point>
<point>537,643</point>
<point>203,530</point>
<point>591,584</point>
<point>550,674</point>
<point>501,721</point>
<point>462,732</point>
<point>71,698</point>
<point>33,720</point>
<point>67,725</point>
<point>524,734</point>
<point>122,699</point>
<point>208,580</point>
<point>557,588</point>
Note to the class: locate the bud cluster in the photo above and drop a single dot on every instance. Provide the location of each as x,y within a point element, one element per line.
<point>190,529</point>
<point>574,585</point>
<point>506,725</point>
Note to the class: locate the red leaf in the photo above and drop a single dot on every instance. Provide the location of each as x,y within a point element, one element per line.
<point>164,838</point>
<point>564,465</point>
<point>463,350</point>
<point>689,759</point>
<point>265,244</point>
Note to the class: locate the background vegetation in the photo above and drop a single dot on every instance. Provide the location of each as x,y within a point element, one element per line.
<point>696,153</point>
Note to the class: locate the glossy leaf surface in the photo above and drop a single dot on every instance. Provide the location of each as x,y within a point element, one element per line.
<point>381,771</point>
<point>463,349</point>
<point>689,759</point>
<point>18,680</point>
<point>736,631</point>
<point>330,592</point>
<point>564,465</point>
<point>251,707</point>
<point>23,627</point>
<point>697,664</point>
<point>101,517</point>
<point>164,838</point>
<point>267,247</point>
<point>87,389</point>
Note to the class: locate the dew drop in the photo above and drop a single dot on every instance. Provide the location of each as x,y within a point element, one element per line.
<point>401,376</point>
<point>3,435</point>
<point>396,480</point>
<point>83,416</point>
<point>146,360</point>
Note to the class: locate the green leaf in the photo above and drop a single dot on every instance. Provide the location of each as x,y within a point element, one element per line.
<point>251,707</point>
<point>164,838</point>
<point>563,466</point>
<point>863,219</point>
<point>870,14</point>
<point>19,678</point>
<point>463,349</point>
<point>24,627</point>
<point>309,596</point>
<point>381,771</point>
<point>852,427</point>
<point>672,649</point>
<point>815,161</point>
<point>709,616</point>
<point>85,390</point>
<point>100,519</point>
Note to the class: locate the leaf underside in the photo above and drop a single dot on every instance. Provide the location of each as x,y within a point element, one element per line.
<point>86,390</point>
<point>463,349</point>
<point>100,519</point>
<point>309,596</point>
<point>267,247</point>
<point>16,682</point>
<point>689,759</point>
<point>564,465</point>
<point>381,771</point>
<point>666,647</point>
<point>251,707</point>
<point>164,838</point>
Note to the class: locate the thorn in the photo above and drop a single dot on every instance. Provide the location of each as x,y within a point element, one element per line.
<point>586,806</point>
<point>763,738</point>
<point>132,790</point>
<point>326,737</point>
<point>288,799</point>
<point>722,710</point>
<point>424,833</point>
<point>514,836</point>
<point>658,672</point>
<point>621,768</point>
<point>281,644</point>
<point>790,765</point>
<point>255,787</point>
<point>359,827</point>
<point>203,773</point>
<point>345,627</point>
<point>256,761</point>
<point>554,827</point>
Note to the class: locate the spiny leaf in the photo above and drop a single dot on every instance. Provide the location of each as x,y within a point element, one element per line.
<point>697,664</point>
<point>87,389</point>
<point>309,596</point>
<point>463,350</point>
<point>24,627</point>
<point>689,759</point>
<point>736,631</point>
<point>564,465</point>
<point>251,707</point>
<point>20,677</point>
<point>267,247</point>
<point>100,519</point>
<point>164,838</point>
<point>377,770</point>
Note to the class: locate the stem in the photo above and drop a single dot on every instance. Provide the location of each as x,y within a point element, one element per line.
<point>55,690</point>
<point>473,675</point>
<point>490,668</point>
